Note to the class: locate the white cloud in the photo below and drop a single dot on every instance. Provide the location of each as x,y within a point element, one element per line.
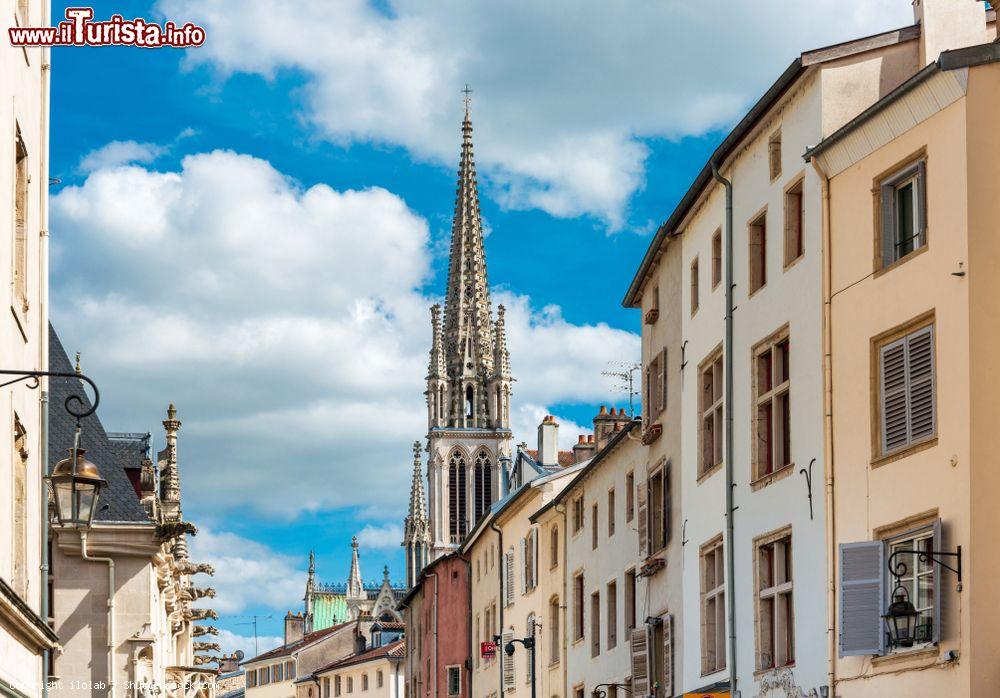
<point>120,153</point>
<point>229,642</point>
<point>385,537</point>
<point>565,90</point>
<point>247,573</point>
<point>286,323</point>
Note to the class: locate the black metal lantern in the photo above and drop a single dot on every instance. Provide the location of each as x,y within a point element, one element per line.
<point>76,484</point>
<point>901,619</point>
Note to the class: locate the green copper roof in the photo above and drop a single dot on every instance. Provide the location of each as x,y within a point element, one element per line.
<point>328,610</point>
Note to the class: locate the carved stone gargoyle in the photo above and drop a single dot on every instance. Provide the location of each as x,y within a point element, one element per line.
<point>173,529</point>
<point>200,659</point>
<point>185,567</point>
<point>205,630</point>
<point>202,614</point>
<point>198,593</point>
<point>207,647</point>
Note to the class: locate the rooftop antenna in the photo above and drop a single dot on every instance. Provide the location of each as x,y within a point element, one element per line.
<point>624,372</point>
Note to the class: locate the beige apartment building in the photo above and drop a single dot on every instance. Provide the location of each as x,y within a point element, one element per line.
<point>912,225</point>
<point>375,673</point>
<point>24,91</point>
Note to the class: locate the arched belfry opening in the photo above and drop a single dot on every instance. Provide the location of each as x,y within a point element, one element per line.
<point>470,402</point>
<point>458,505</point>
<point>483,484</point>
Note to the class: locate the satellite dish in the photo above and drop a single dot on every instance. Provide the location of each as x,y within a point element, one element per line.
<point>239,655</point>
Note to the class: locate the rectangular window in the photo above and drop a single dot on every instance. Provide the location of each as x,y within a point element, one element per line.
<point>19,527</point>
<point>794,221</point>
<point>918,579</point>
<point>694,286</point>
<point>20,221</point>
<point>593,526</point>
<point>611,512</point>
<point>772,414</point>
<point>554,547</point>
<point>595,624</point>
<point>710,405</point>
<point>717,258</point>
<point>657,510</point>
<point>757,236</point>
<point>713,607</point>
<point>630,581</point>
<point>578,607</point>
<point>364,682</point>
<point>454,681</point>
<point>378,679</point>
<point>655,387</point>
<point>775,624</point>
<point>612,618</point>
<point>774,155</point>
<point>629,496</point>
<point>903,212</point>
<point>279,673</point>
<point>554,644</point>
<point>907,386</point>
<point>577,515</point>
<point>326,688</point>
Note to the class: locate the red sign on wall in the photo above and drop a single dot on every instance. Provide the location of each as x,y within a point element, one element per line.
<point>488,650</point>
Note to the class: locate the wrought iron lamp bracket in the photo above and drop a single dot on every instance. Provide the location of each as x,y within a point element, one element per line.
<point>900,569</point>
<point>74,404</point>
<point>598,693</point>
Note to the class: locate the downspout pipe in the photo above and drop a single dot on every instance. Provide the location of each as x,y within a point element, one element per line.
<point>728,360</point>
<point>437,611</point>
<point>111,609</point>
<point>500,605</point>
<point>831,557</point>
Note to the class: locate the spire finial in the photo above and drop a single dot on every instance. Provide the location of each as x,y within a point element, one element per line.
<point>354,542</point>
<point>468,99</point>
<point>78,363</point>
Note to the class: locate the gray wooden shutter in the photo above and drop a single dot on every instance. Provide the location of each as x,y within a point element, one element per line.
<point>921,223</point>
<point>506,660</point>
<point>920,383</point>
<point>887,194</point>
<point>937,543</point>
<point>668,655</point>
<point>534,558</point>
<point>661,387</point>
<point>640,662</point>
<point>861,598</point>
<point>667,504</point>
<point>510,578</point>
<point>524,566</point>
<point>641,518</point>
<point>893,386</point>
<point>503,578</point>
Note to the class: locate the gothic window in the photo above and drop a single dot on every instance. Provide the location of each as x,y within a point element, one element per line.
<point>457,501</point>
<point>484,484</point>
<point>469,401</point>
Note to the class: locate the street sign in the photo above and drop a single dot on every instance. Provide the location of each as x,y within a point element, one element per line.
<point>488,650</point>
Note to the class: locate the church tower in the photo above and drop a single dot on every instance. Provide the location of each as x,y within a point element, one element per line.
<point>416,527</point>
<point>468,382</point>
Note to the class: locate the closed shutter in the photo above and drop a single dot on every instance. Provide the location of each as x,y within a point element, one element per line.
<point>640,662</point>
<point>668,655</point>
<point>662,379</point>
<point>509,599</point>
<point>643,522</point>
<point>503,579</point>
<point>893,380</point>
<point>506,660</point>
<point>861,598</point>
<point>920,382</point>
<point>887,194</point>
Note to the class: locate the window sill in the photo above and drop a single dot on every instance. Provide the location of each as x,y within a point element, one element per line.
<point>759,673</point>
<point>913,448</point>
<point>792,262</point>
<point>704,476</point>
<point>923,652</point>
<point>902,260</point>
<point>769,479</point>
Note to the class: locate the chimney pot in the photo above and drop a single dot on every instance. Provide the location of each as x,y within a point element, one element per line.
<point>603,410</point>
<point>590,438</point>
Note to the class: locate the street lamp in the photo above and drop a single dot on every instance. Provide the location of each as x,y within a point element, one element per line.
<point>529,644</point>
<point>76,484</point>
<point>901,619</point>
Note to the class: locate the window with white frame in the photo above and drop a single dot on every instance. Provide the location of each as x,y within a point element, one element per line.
<point>903,212</point>
<point>917,578</point>
<point>772,414</point>
<point>713,607</point>
<point>710,402</point>
<point>906,401</point>
<point>775,622</point>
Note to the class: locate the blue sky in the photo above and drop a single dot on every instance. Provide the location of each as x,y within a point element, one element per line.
<point>254,229</point>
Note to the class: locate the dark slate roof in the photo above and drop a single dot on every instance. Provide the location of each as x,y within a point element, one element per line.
<point>118,502</point>
<point>131,448</point>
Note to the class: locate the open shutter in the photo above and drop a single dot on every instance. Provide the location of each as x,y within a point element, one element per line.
<point>643,522</point>
<point>506,660</point>
<point>503,579</point>
<point>667,504</point>
<point>921,203</point>
<point>524,566</point>
<point>937,544</point>
<point>920,383</point>
<point>662,378</point>
<point>893,387</point>
<point>861,598</point>
<point>509,598</point>
<point>534,558</point>
<point>640,662</point>
<point>668,655</point>
<point>887,194</point>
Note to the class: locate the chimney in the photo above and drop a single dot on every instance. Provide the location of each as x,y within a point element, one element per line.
<point>295,626</point>
<point>548,441</point>
<point>583,448</point>
<point>947,25</point>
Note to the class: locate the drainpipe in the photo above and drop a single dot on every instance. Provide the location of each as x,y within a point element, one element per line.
<point>467,686</point>
<point>436,612</point>
<point>831,556</point>
<point>561,508</point>
<point>43,333</point>
<point>111,609</point>
<point>728,358</point>
<point>500,551</point>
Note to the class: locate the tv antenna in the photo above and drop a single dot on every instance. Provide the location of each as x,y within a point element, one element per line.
<point>253,622</point>
<point>624,372</point>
